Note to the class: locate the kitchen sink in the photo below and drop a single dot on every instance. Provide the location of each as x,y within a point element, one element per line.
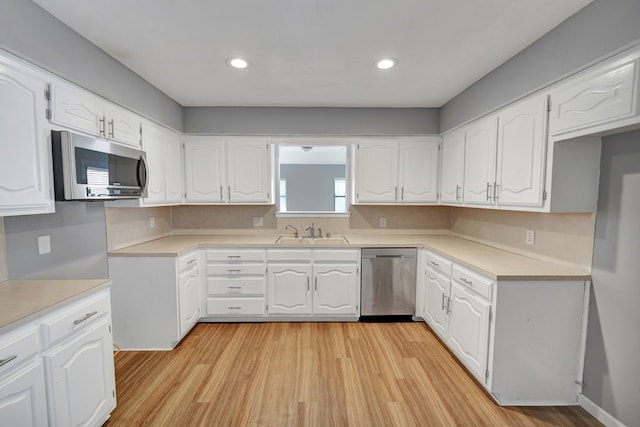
<point>289,240</point>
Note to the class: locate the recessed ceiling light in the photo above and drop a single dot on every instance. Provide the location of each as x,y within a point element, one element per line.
<point>237,63</point>
<point>386,63</point>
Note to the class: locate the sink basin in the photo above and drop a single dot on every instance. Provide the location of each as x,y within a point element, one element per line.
<point>290,240</point>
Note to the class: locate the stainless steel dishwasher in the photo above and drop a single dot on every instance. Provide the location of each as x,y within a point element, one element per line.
<point>388,282</point>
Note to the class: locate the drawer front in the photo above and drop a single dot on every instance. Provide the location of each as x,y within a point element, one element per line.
<point>235,255</point>
<point>74,317</point>
<point>236,286</point>
<point>231,270</point>
<point>187,261</point>
<point>289,255</point>
<point>438,263</point>
<point>18,346</point>
<point>477,283</point>
<point>336,255</point>
<point>235,306</point>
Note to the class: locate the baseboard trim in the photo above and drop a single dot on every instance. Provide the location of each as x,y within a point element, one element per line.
<point>600,414</point>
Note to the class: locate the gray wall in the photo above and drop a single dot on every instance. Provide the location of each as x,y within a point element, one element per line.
<point>78,243</point>
<point>612,371</point>
<point>597,30</point>
<point>311,121</point>
<point>310,187</point>
<point>32,33</point>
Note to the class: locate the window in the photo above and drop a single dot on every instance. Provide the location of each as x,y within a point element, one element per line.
<point>313,176</point>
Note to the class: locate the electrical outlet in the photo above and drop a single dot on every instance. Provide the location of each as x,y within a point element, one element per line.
<point>258,221</point>
<point>383,222</point>
<point>531,237</point>
<point>152,222</point>
<point>44,245</point>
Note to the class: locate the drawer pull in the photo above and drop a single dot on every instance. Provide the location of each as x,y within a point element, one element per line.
<point>191,261</point>
<point>8,359</point>
<point>234,287</point>
<point>233,256</point>
<point>234,271</point>
<point>234,308</point>
<point>85,317</point>
<point>435,264</point>
<point>466,282</point>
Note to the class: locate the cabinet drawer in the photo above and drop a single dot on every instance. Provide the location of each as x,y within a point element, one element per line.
<point>74,317</point>
<point>17,347</point>
<point>231,270</point>
<point>187,261</point>
<point>477,283</point>
<point>236,286</point>
<point>289,255</point>
<point>235,306</point>
<point>438,263</point>
<point>336,255</point>
<point>235,255</point>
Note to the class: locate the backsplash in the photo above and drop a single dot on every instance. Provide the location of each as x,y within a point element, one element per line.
<point>563,236</point>
<point>130,226</point>
<point>4,275</point>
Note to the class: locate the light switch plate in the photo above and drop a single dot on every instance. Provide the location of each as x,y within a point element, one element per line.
<point>44,245</point>
<point>258,221</point>
<point>152,222</point>
<point>383,222</point>
<point>531,237</point>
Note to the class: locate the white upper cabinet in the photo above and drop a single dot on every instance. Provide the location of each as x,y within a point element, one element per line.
<point>602,98</point>
<point>227,170</point>
<point>25,178</point>
<point>398,171</point>
<point>480,161</point>
<point>162,148</point>
<point>75,108</point>
<point>451,181</point>
<point>522,143</point>
<point>377,176</point>
<point>248,170</point>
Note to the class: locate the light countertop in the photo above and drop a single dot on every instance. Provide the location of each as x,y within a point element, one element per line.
<point>494,263</point>
<point>21,300</point>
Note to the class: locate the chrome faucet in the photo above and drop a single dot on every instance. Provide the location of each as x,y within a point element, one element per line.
<point>295,234</point>
<point>311,229</point>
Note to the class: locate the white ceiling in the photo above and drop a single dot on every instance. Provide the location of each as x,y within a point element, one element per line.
<point>316,53</point>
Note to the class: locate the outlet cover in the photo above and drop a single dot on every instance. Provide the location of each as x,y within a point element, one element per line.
<point>258,221</point>
<point>531,237</point>
<point>152,222</point>
<point>44,245</point>
<point>383,222</point>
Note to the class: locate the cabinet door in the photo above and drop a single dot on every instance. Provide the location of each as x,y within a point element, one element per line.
<point>289,289</point>
<point>436,296</point>
<point>480,161</point>
<point>377,176</point>
<point>452,176</point>
<point>204,170</point>
<point>469,329</point>
<point>23,399</point>
<point>522,143</point>
<point>81,377</point>
<point>248,170</point>
<point>173,167</point>
<point>336,289</point>
<point>154,147</point>
<point>25,181</point>
<point>418,170</point>
<point>122,125</point>
<point>78,109</point>
<point>189,290</point>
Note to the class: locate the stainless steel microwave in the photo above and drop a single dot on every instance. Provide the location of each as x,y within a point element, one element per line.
<point>87,168</point>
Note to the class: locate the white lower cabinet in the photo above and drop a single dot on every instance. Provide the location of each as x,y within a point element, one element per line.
<point>321,283</point>
<point>521,340</point>
<point>58,369</point>
<point>170,285</point>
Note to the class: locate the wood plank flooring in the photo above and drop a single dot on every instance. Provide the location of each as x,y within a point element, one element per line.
<point>312,374</point>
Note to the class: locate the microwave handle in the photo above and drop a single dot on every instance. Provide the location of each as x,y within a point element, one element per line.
<point>143,174</point>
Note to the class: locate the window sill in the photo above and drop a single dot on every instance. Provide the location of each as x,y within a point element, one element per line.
<point>321,214</point>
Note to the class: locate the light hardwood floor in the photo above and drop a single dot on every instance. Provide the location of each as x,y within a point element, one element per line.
<point>312,374</point>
